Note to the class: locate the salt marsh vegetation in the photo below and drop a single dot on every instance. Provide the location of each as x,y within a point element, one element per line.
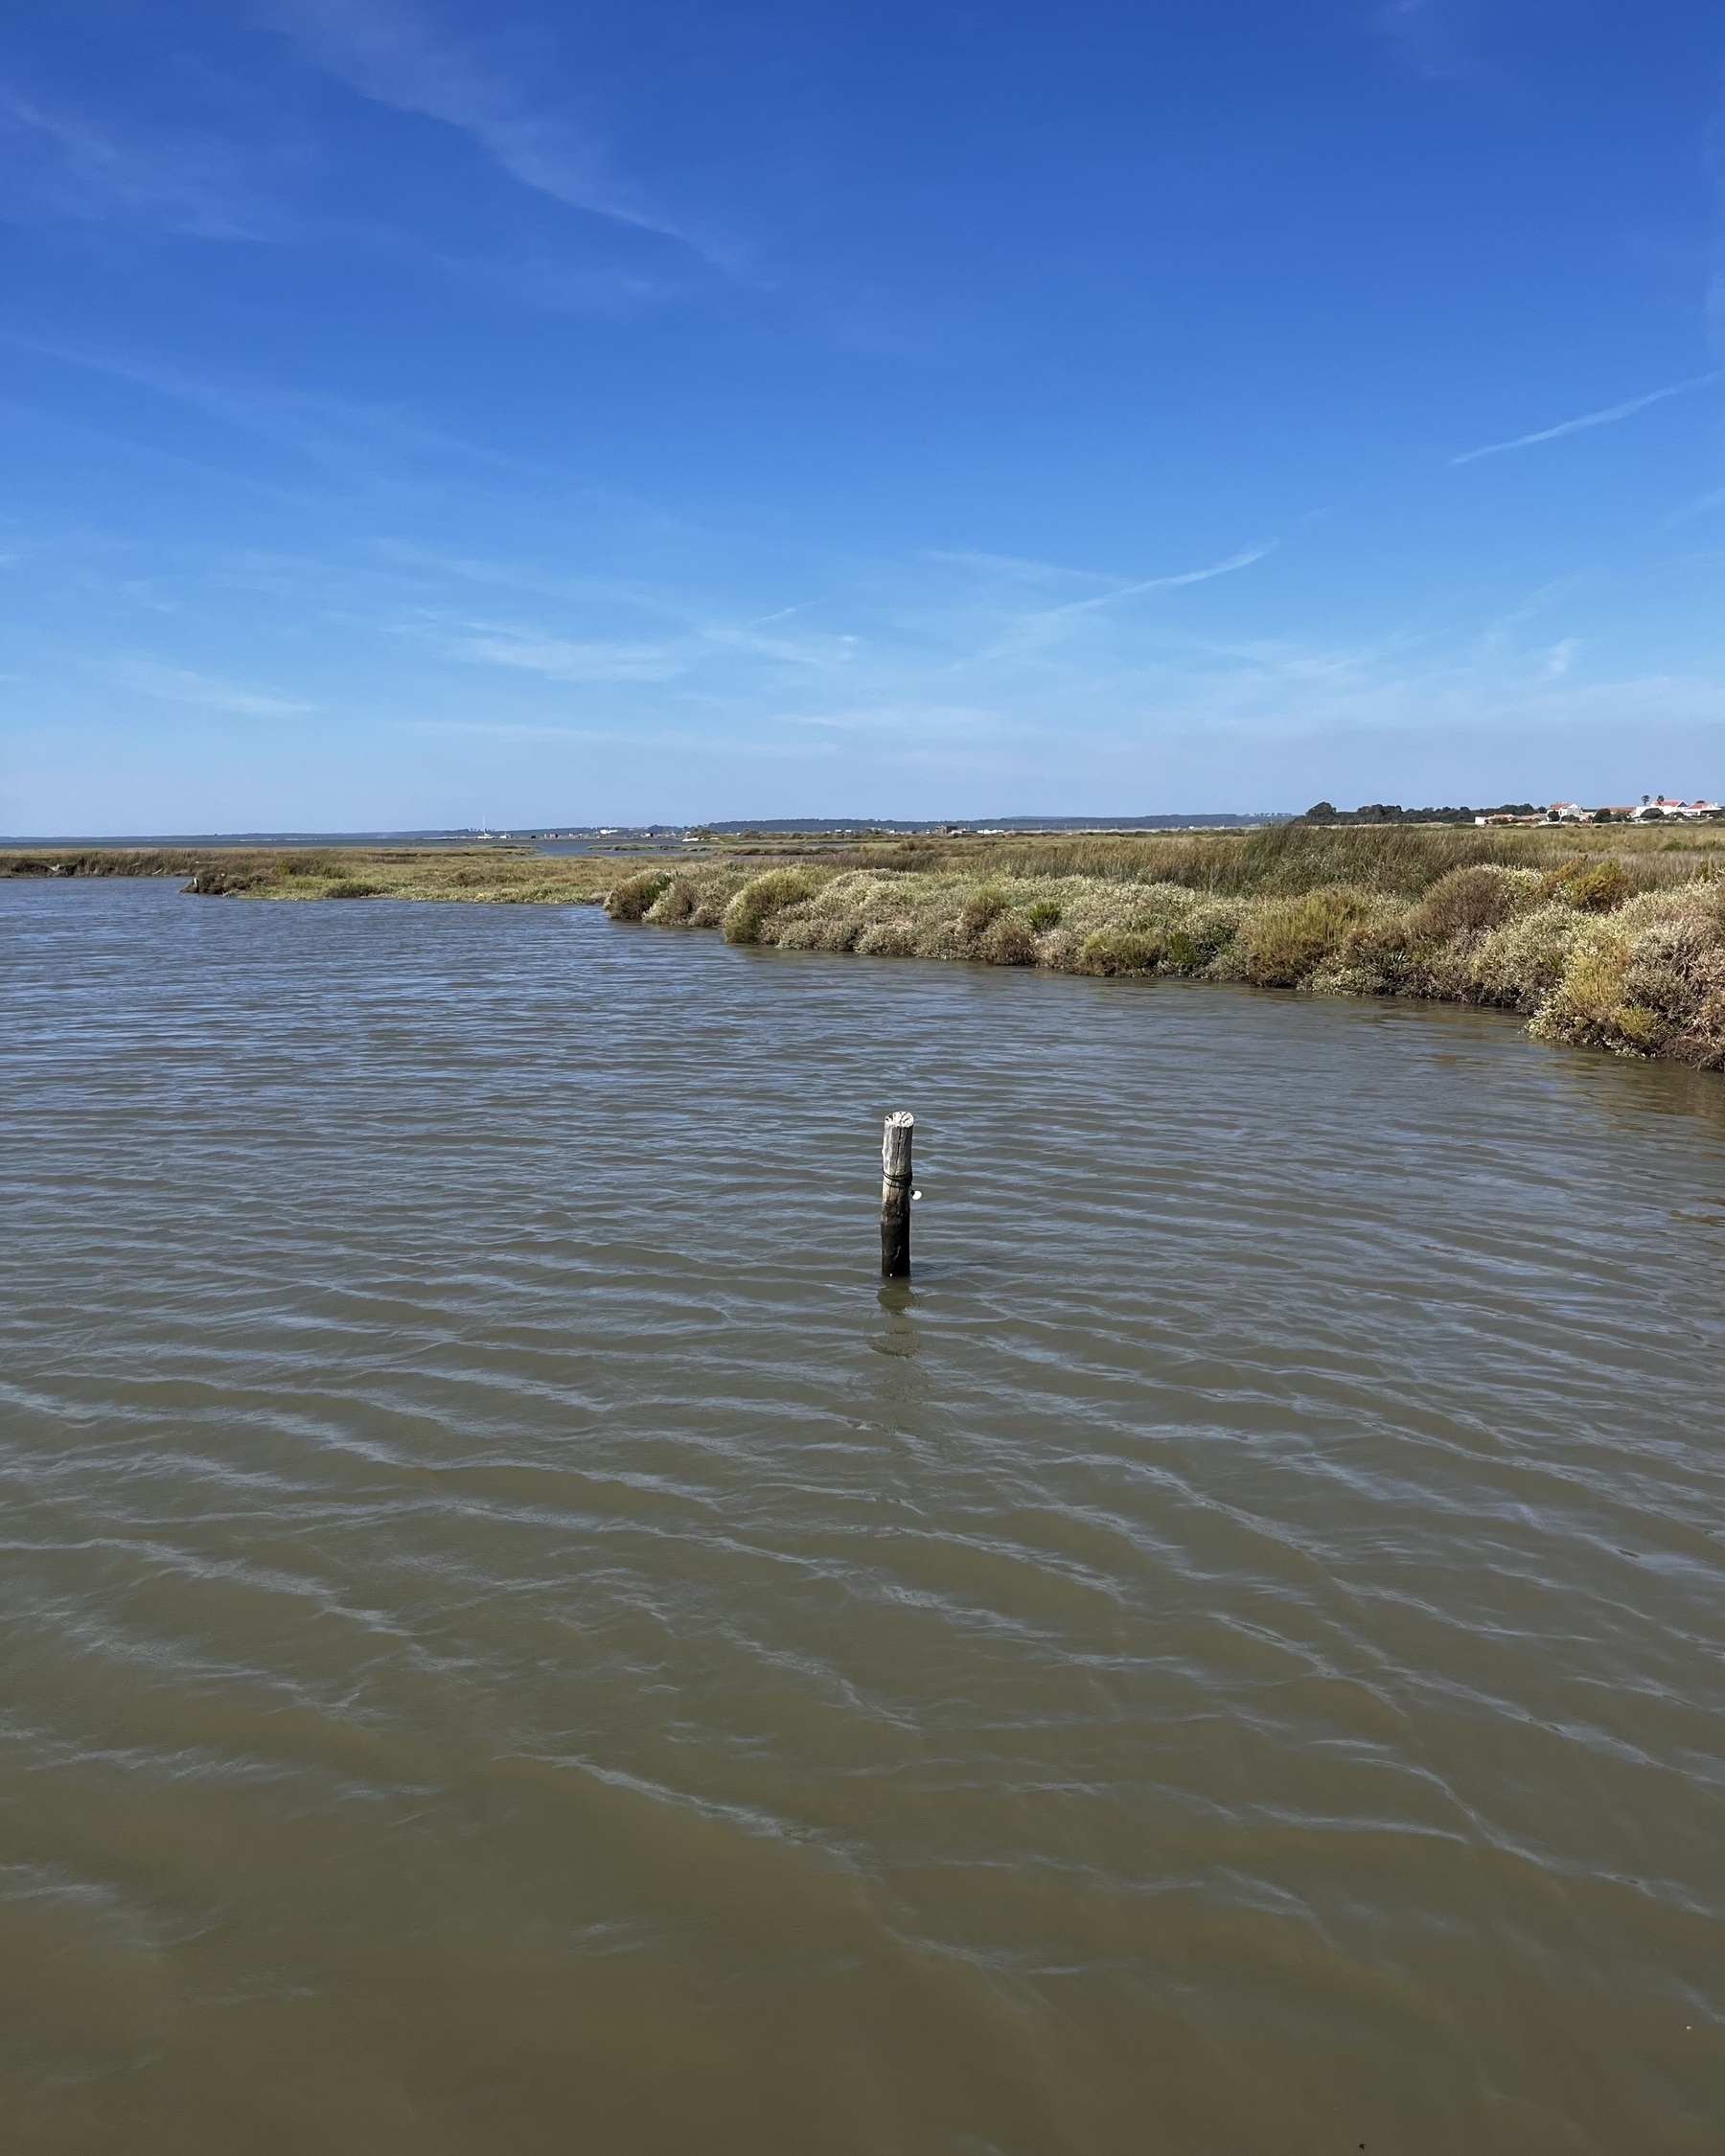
<point>1607,938</point>
<point>1622,950</point>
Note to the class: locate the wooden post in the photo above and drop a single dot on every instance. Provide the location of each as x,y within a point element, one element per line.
<point>895,1197</point>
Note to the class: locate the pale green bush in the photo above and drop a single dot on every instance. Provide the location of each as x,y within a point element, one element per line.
<point>1469,901</point>
<point>631,899</point>
<point>1120,951</point>
<point>1647,980</point>
<point>891,938</point>
<point>1213,928</point>
<point>1519,964</point>
<point>1284,940</point>
<point>764,896</point>
<point>1008,941</point>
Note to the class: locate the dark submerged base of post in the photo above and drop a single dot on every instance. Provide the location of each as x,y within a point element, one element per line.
<point>895,1197</point>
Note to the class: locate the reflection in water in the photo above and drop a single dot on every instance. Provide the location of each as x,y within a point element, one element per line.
<point>509,1648</point>
<point>897,1300</point>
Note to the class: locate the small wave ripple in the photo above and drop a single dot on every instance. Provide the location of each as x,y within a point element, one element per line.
<point>514,1638</point>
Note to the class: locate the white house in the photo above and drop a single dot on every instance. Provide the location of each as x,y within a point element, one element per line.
<point>1661,808</point>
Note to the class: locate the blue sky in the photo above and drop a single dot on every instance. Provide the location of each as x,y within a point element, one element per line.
<point>416,412</point>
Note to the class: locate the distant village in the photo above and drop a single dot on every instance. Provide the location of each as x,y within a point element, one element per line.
<point>1651,808</point>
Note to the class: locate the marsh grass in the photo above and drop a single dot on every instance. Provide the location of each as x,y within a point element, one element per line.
<point>631,899</point>
<point>127,861</point>
<point>1606,938</point>
<point>489,875</point>
<point>1283,860</point>
<point>1624,951</point>
<point>751,909</point>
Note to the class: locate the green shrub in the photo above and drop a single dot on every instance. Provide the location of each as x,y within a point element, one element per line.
<point>759,899</point>
<point>1653,986</point>
<point>1180,952</point>
<point>1521,963</point>
<point>1283,941</point>
<point>674,904</point>
<point>1121,950</point>
<point>1370,961</point>
<point>1591,886</point>
<point>895,938</point>
<point>1677,972</point>
<point>1587,1001</point>
<point>1213,931</point>
<point>1009,942</point>
<point>1469,900</point>
<point>981,909</point>
<point>1045,914</point>
<point>633,898</point>
<point>711,895</point>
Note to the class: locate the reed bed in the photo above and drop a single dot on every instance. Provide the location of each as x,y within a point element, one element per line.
<point>1280,860</point>
<point>1622,950</point>
<point>117,861</point>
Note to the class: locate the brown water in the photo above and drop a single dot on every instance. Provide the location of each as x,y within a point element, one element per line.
<point>514,1642</point>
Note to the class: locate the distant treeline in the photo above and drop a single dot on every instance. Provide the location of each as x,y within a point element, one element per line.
<point>1392,811</point>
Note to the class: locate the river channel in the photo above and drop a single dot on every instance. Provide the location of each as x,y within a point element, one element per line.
<point>514,1642</point>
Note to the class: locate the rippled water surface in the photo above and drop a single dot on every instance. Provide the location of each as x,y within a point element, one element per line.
<point>514,1642</point>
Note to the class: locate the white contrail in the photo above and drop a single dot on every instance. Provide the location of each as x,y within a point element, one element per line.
<point>1592,419</point>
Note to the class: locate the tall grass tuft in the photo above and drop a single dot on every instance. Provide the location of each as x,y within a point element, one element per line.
<point>1285,940</point>
<point>764,896</point>
<point>631,899</point>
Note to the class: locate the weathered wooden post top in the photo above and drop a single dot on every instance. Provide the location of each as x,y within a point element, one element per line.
<point>895,1197</point>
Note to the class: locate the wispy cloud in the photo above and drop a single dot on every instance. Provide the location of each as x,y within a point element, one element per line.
<point>1703,505</point>
<point>698,711</point>
<point>390,52</point>
<point>816,651</point>
<point>498,729</point>
<point>341,434</point>
<point>1560,658</point>
<point>567,658</point>
<point>1014,567</point>
<point>83,169</point>
<point>1605,418</point>
<point>563,624</point>
<point>911,723</point>
<point>190,182</point>
<point>782,613</point>
<point>180,684</point>
<point>1241,560</point>
<point>539,280</point>
<point>1037,628</point>
<point>694,647</point>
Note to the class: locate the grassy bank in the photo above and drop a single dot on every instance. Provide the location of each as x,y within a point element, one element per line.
<point>1618,943</point>
<point>111,861</point>
<point>1607,937</point>
<point>498,874</point>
